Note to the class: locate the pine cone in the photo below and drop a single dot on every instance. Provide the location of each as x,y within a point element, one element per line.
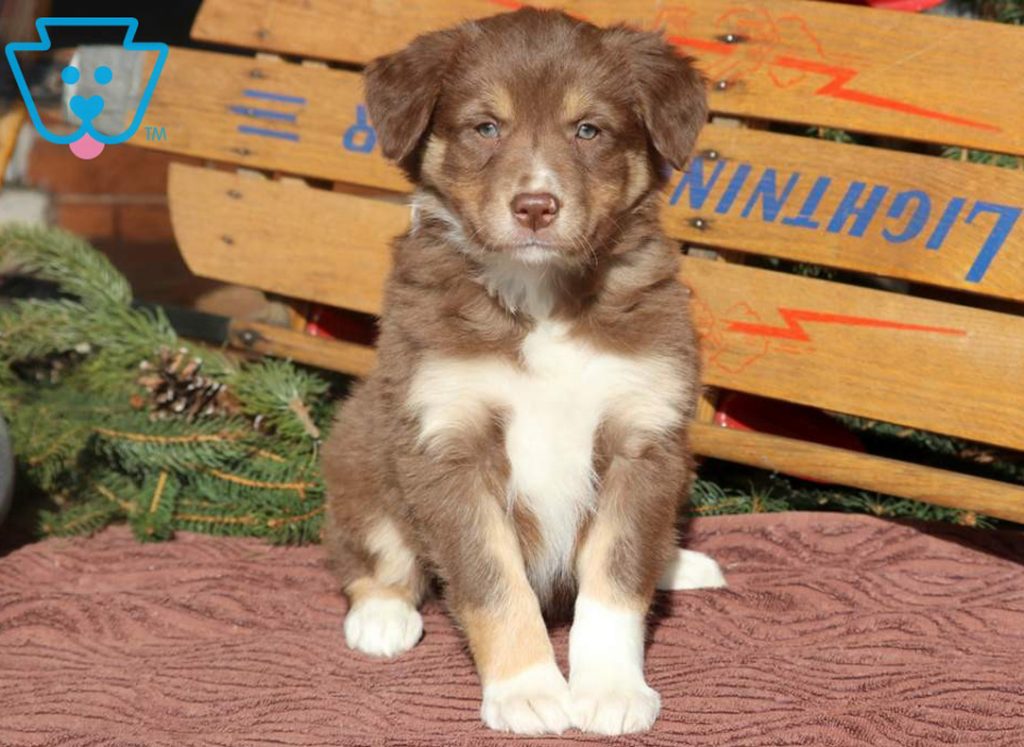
<point>177,389</point>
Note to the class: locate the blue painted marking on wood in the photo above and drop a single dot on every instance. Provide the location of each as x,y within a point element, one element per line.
<point>739,178</point>
<point>767,194</point>
<point>271,96</point>
<point>1008,217</point>
<point>694,179</point>
<point>917,220</point>
<point>862,214</point>
<point>945,223</point>
<point>905,215</point>
<point>249,111</point>
<point>804,219</point>
<point>360,137</point>
<point>248,130</point>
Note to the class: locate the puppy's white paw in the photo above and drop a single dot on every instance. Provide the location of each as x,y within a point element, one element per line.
<point>535,701</point>
<point>614,709</point>
<point>691,570</point>
<point>383,627</point>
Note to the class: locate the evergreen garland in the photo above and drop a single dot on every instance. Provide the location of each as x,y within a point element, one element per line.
<point>84,435</point>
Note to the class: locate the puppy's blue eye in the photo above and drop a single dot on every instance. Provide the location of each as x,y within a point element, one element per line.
<point>103,75</point>
<point>488,130</point>
<point>586,131</point>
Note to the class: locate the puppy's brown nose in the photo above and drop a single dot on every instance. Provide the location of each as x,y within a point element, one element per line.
<point>535,211</point>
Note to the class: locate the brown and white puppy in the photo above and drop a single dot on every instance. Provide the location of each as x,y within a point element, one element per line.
<point>523,437</point>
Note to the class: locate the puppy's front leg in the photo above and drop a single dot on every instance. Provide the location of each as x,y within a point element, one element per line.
<point>457,482</point>
<point>618,564</point>
<point>523,689</point>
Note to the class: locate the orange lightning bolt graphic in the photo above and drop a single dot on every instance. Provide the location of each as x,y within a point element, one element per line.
<point>794,330</point>
<point>843,75</point>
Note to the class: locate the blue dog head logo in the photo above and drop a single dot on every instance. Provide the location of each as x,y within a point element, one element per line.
<point>88,86</point>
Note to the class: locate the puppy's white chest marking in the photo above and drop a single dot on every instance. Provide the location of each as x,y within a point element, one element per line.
<point>554,402</point>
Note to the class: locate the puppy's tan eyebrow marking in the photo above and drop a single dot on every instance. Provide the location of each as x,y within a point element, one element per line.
<point>501,101</point>
<point>575,103</point>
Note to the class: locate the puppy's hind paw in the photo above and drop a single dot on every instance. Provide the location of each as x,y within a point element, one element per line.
<point>383,627</point>
<point>535,701</point>
<point>691,570</point>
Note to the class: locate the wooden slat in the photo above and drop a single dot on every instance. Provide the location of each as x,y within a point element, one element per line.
<point>890,213</point>
<point>790,456</point>
<point>266,114</point>
<point>334,355</point>
<point>10,124</point>
<point>924,364</point>
<point>354,31</point>
<point>284,238</point>
<point>758,195</point>
<point>938,79</point>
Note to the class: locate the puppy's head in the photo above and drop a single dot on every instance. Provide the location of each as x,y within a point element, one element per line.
<point>536,134</point>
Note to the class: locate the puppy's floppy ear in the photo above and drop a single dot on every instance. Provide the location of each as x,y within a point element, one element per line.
<point>402,89</point>
<point>670,92</point>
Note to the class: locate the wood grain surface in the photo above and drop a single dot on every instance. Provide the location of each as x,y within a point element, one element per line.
<point>11,119</point>
<point>266,114</point>
<point>286,238</point>
<point>867,472</point>
<point>835,630</point>
<point>901,215</point>
<point>334,355</point>
<point>925,364</point>
<point>891,213</point>
<point>945,80</point>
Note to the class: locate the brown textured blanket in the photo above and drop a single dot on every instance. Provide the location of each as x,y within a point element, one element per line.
<point>836,630</point>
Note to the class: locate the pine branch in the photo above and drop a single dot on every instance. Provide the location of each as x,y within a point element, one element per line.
<point>81,519</point>
<point>64,259</point>
<point>152,519</point>
<point>286,399</point>
<point>30,328</point>
<point>139,445</point>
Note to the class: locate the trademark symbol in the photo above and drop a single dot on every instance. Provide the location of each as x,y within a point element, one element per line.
<point>156,133</point>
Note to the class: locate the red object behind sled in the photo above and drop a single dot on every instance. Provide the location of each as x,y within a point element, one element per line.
<point>909,6</point>
<point>746,412</point>
<point>341,324</point>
